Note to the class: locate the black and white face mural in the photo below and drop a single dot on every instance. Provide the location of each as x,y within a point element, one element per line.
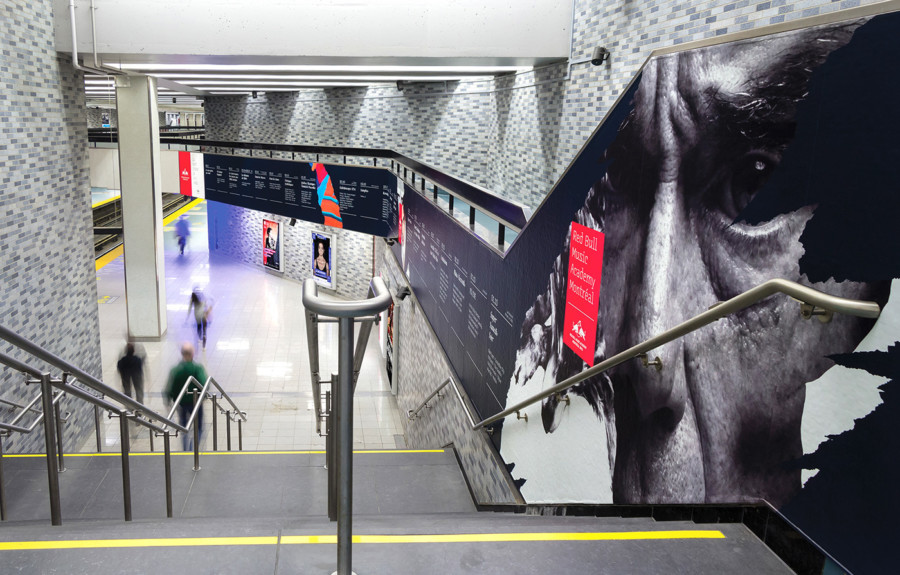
<point>721,168</point>
<point>686,181</point>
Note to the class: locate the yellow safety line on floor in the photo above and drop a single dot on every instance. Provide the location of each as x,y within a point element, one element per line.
<point>360,539</point>
<point>104,202</point>
<point>174,215</point>
<point>298,452</point>
<point>109,256</point>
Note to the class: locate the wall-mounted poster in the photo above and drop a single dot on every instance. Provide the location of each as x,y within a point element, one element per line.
<point>323,259</point>
<point>271,245</point>
<point>104,119</point>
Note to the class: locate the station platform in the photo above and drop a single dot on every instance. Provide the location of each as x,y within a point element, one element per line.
<point>256,349</point>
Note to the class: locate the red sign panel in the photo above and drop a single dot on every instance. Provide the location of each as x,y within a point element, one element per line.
<point>582,291</point>
<point>184,173</point>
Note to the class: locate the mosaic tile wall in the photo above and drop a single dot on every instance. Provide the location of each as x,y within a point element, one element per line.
<point>421,367</point>
<point>513,135</point>
<point>49,292</point>
<point>237,234</point>
<point>95,120</point>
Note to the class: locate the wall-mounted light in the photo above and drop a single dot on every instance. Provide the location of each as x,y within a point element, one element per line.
<point>599,56</point>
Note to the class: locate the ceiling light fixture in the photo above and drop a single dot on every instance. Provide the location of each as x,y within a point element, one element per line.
<point>488,70</point>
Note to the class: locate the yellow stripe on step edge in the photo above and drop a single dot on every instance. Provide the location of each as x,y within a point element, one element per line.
<point>361,539</point>
<point>507,537</point>
<point>119,543</point>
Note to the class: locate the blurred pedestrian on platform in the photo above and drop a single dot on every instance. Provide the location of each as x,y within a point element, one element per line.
<point>180,375</point>
<point>131,370</point>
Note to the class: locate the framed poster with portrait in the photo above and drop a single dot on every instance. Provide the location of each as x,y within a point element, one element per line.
<point>271,245</point>
<point>322,262</point>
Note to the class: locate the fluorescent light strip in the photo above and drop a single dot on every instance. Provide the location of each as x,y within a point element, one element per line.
<point>257,83</point>
<point>489,70</point>
<point>200,79</point>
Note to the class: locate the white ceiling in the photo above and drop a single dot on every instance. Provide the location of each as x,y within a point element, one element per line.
<point>198,48</point>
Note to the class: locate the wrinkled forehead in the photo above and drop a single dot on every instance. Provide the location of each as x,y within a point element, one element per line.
<point>679,91</point>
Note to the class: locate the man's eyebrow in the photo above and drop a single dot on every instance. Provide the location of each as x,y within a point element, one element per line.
<point>764,112</point>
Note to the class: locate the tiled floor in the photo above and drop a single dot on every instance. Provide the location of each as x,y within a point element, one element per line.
<point>256,349</point>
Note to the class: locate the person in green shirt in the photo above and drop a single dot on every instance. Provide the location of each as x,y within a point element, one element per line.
<point>177,378</point>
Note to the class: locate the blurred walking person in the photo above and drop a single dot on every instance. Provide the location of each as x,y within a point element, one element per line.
<point>131,370</point>
<point>178,377</point>
<point>201,306</point>
<point>182,232</point>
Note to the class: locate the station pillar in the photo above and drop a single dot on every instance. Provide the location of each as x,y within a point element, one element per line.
<point>142,216</point>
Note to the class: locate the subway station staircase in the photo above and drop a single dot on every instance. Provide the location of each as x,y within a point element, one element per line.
<point>266,512</point>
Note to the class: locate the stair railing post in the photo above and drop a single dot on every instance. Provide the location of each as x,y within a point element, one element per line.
<point>2,492</point>
<point>215,426</point>
<point>50,448</point>
<point>125,441</point>
<point>59,436</point>
<point>168,459</point>
<point>228,429</point>
<point>329,453</point>
<point>196,433</point>
<point>97,428</point>
<point>344,400</point>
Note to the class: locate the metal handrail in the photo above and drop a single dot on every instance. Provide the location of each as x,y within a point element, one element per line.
<point>806,295</point>
<point>82,376</point>
<point>351,309</point>
<point>452,382</point>
<point>237,410</point>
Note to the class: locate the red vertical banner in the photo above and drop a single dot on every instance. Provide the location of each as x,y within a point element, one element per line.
<point>184,173</point>
<point>582,291</point>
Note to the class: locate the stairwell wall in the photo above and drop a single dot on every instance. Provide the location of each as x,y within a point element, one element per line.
<point>49,292</point>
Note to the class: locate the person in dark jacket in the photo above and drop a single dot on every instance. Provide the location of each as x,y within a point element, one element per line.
<point>178,377</point>
<point>131,370</point>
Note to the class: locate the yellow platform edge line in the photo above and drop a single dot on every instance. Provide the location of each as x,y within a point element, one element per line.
<point>109,256</point>
<point>285,452</point>
<point>106,258</point>
<point>359,539</point>
<point>176,214</point>
<point>106,201</point>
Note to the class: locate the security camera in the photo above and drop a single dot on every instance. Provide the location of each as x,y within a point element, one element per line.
<point>599,55</point>
<point>403,292</point>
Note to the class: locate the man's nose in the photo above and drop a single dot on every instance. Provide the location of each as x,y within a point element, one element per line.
<point>672,271</point>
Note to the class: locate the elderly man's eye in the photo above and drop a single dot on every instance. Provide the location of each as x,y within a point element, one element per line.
<point>748,175</point>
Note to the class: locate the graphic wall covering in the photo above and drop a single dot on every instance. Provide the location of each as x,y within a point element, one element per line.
<point>722,167</point>
<point>356,198</point>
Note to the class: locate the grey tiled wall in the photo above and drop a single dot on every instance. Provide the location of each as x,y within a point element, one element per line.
<point>421,367</point>
<point>49,292</point>
<point>237,234</point>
